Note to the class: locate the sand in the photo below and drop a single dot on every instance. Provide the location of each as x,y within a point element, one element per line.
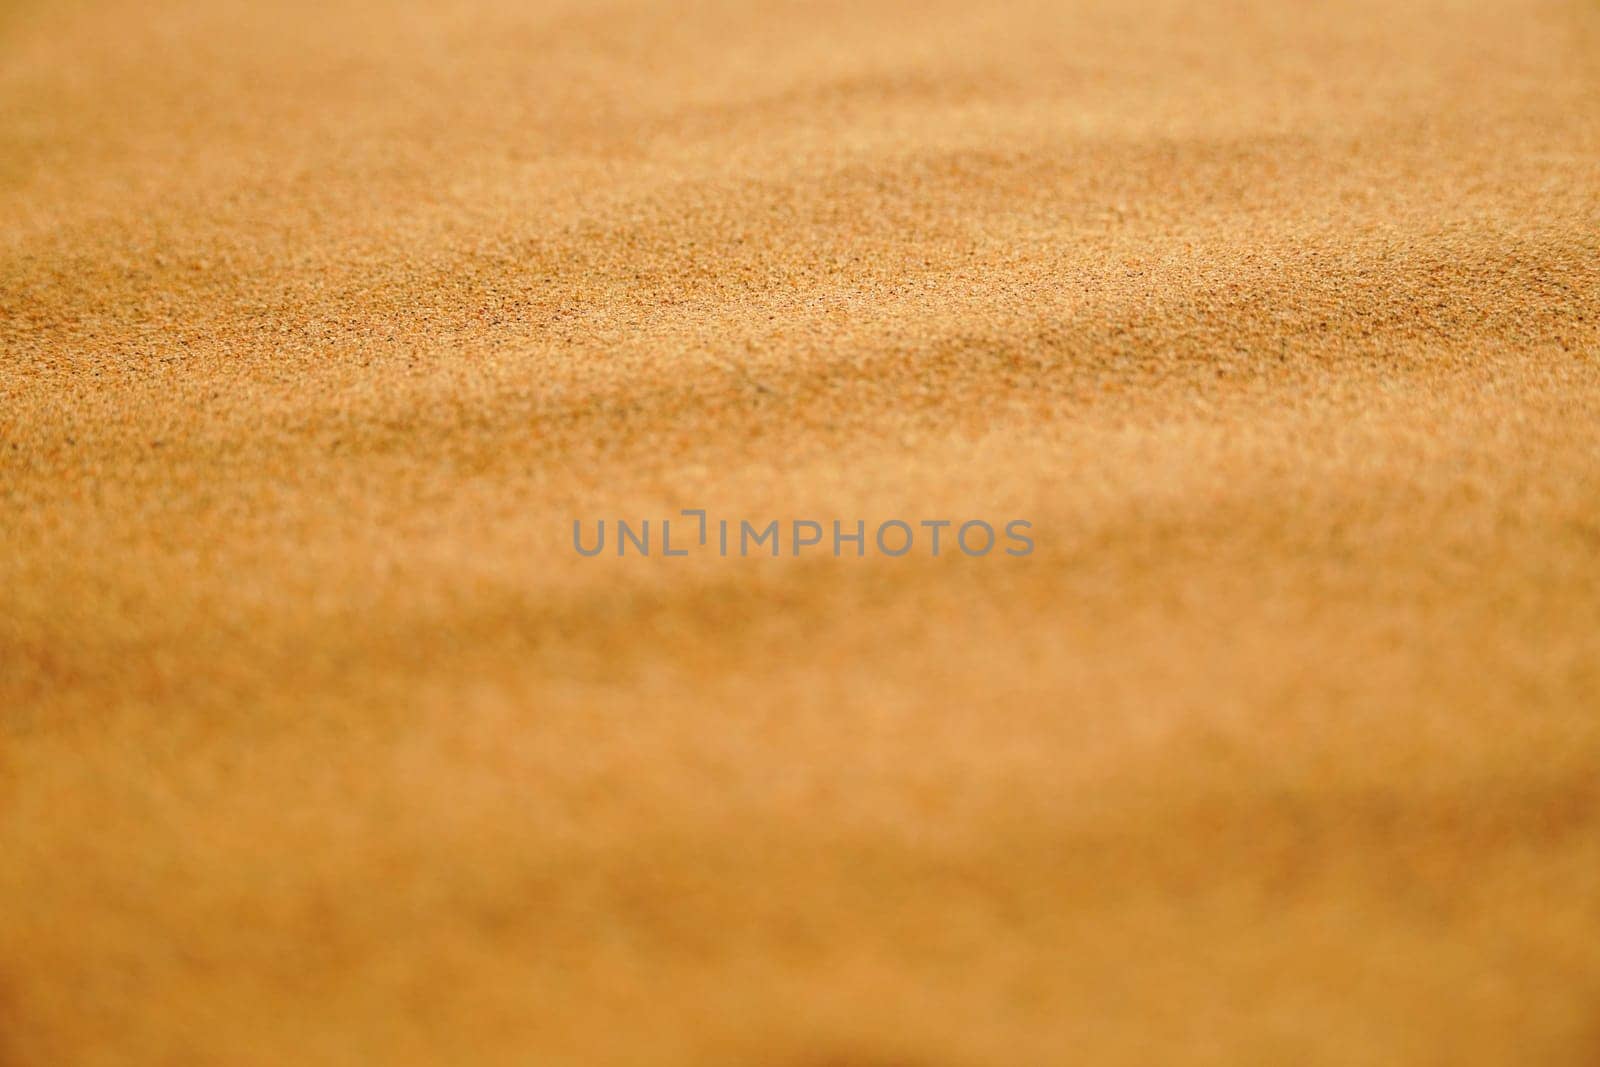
<point>321,323</point>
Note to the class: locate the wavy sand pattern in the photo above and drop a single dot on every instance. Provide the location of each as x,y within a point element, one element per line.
<point>319,323</point>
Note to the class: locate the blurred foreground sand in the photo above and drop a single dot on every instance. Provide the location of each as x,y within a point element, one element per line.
<point>319,323</point>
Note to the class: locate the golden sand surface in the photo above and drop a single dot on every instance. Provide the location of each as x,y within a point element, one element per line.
<point>320,323</point>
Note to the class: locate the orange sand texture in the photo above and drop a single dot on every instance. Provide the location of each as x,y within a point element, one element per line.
<point>321,322</point>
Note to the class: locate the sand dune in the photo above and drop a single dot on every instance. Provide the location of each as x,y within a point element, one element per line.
<point>320,324</point>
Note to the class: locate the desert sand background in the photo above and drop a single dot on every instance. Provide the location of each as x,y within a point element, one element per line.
<point>320,323</point>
